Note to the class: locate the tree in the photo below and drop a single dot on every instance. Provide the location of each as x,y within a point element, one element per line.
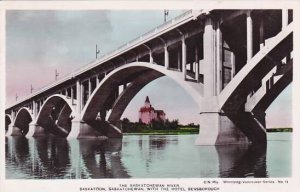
<point>125,124</point>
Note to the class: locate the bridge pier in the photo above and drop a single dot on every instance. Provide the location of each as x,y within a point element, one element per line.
<point>35,130</point>
<point>75,129</point>
<point>14,131</point>
<point>84,130</point>
<point>10,130</point>
<point>216,128</point>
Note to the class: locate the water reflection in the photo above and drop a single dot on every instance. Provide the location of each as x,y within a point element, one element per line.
<point>50,157</point>
<point>159,142</point>
<point>102,158</point>
<point>242,161</point>
<point>135,156</point>
<point>17,151</point>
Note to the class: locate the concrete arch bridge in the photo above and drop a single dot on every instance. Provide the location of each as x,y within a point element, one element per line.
<point>233,63</point>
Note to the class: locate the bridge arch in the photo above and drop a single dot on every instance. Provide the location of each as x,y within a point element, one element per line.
<point>56,114</point>
<point>23,118</point>
<point>8,121</point>
<point>139,74</point>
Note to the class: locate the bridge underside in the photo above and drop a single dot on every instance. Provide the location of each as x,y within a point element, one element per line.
<point>7,122</point>
<point>21,125</point>
<point>237,114</point>
<point>98,121</point>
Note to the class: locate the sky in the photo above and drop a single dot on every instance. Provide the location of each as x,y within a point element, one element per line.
<point>39,42</point>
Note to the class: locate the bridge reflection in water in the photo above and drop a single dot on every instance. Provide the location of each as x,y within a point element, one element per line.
<point>134,156</point>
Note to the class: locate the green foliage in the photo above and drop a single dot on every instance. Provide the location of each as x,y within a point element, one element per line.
<point>158,127</point>
<point>131,127</point>
<point>171,127</point>
<point>167,125</point>
<point>286,129</point>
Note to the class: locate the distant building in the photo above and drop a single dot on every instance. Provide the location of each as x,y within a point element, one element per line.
<point>147,113</point>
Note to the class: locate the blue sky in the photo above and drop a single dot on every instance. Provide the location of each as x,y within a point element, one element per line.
<point>38,42</point>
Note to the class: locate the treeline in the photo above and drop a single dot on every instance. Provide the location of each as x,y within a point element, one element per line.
<point>190,125</point>
<point>284,129</point>
<point>135,127</point>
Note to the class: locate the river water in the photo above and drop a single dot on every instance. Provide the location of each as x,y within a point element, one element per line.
<point>144,156</point>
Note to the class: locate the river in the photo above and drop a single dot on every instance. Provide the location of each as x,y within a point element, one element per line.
<point>144,156</point>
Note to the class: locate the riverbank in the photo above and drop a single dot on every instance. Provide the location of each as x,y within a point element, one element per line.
<point>179,131</point>
<point>192,130</point>
<point>284,129</point>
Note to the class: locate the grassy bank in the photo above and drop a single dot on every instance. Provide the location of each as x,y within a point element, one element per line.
<point>284,129</point>
<point>179,131</point>
<point>191,130</point>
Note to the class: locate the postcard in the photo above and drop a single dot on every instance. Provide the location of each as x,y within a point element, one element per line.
<point>149,96</point>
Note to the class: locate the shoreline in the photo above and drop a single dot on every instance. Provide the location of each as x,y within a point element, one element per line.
<point>196,131</point>
<point>284,129</point>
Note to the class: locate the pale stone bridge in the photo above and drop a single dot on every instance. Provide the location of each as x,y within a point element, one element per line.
<point>234,63</point>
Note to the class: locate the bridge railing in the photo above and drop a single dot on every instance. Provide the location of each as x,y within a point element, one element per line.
<point>137,40</point>
<point>153,31</point>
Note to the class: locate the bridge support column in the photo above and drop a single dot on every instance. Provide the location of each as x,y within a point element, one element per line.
<point>35,109</point>
<point>261,33</point>
<point>285,18</point>
<point>196,59</point>
<point>183,57</point>
<point>151,57</point>
<point>166,57</point>
<point>219,47</point>
<point>90,87</point>
<point>82,92</point>
<point>76,123</point>
<point>210,62</point>
<point>78,97</point>
<point>97,80</point>
<point>197,66</point>
<point>13,117</point>
<point>249,36</point>
<point>216,128</point>
<point>35,130</point>
<point>72,95</point>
